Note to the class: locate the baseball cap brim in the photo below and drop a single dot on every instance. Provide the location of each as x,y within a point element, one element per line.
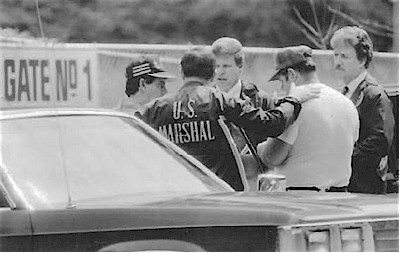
<point>275,76</point>
<point>162,74</point>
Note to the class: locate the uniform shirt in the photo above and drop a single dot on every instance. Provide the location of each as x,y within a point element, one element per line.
<point>189,118</point>
<point>322,140</point>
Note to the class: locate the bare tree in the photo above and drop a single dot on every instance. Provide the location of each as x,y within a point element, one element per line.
<point>312,27</point>
<point>370,25</point>
<point>318,36</point>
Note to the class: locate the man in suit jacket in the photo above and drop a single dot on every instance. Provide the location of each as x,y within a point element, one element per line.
<point>230,61</point>
<point>352,55</point>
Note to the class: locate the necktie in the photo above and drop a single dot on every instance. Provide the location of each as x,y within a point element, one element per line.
<point>345,90</point>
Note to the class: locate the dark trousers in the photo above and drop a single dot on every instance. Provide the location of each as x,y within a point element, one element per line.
<point>365,178</point>
<point>376,186</point>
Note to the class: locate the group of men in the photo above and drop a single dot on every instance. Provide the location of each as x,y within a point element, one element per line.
<point>316,136</point>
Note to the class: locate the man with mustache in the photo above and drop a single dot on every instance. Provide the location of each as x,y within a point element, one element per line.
<point>352,56</point>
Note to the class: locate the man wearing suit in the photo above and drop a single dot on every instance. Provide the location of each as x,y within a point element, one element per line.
<point>230,60</point>
<point>352,55</point>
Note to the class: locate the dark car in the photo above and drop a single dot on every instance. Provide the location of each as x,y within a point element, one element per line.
<point>90,180</point>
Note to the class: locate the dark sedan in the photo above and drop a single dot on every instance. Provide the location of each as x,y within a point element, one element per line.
<point>89,180</point>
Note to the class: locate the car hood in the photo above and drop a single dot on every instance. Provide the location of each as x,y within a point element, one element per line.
<point>265,208</point>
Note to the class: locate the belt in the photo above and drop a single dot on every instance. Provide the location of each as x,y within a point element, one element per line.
<point>330,189</point>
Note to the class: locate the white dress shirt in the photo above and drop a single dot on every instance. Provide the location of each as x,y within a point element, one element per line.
<point>235,91</point>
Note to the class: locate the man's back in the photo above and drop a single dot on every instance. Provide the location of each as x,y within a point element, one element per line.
<point>321,153</point>
<point>190,120</point>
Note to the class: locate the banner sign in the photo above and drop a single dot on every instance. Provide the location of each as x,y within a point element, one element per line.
<point>48,77</point>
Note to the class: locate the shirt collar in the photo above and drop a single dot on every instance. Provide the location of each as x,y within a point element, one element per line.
<point>235,91</point>
<point>355,82</point>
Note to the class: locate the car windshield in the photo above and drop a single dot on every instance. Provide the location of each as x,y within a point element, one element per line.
<point>53,161</point>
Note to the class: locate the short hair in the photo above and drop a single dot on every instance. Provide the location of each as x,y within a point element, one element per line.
<point>357,38</point>
<point>132,84</point>
<point>229,46</point>
<point>198,62</point>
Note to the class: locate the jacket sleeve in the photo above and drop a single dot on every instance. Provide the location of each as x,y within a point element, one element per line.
<point>270,123</point>
<point>376,124</point>
<point>267,101</point>
<point>259,98</point>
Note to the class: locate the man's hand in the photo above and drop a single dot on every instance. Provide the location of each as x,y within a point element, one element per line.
<point>305,93</point>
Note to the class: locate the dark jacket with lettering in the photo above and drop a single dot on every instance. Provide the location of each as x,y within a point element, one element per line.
<point>189,119</point>
<point>375,137</point>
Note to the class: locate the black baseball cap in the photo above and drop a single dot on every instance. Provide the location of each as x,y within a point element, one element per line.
<point>146,66</point>
<point>290,56</point>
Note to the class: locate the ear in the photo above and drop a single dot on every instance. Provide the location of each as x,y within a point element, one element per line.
<point>291,74</point>
<point>142,84</point>
<point>362,62</point>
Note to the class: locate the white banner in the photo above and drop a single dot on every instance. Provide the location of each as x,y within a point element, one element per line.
<point>48,76</point>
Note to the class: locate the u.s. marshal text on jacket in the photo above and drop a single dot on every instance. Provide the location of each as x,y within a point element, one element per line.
<point>189,119</point>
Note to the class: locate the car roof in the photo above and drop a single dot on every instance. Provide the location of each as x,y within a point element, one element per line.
<point>43,112</point>
<point>24,113</point>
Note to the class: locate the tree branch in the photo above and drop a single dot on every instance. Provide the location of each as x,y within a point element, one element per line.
<point>331,29</point>
<point>316,21</point>
<point>304,22</point>
<point>309,36</point>
<point>359,23</point>
<point>377,25</point>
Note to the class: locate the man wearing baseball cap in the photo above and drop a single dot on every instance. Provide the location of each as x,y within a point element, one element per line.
<point>145,81</point>
<point>314,153</point>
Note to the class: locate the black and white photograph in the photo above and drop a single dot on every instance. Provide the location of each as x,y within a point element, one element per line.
<point>199,125</point>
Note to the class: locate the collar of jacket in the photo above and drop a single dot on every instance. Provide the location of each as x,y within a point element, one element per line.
<point>192,82</point>
<point>358,93</point>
